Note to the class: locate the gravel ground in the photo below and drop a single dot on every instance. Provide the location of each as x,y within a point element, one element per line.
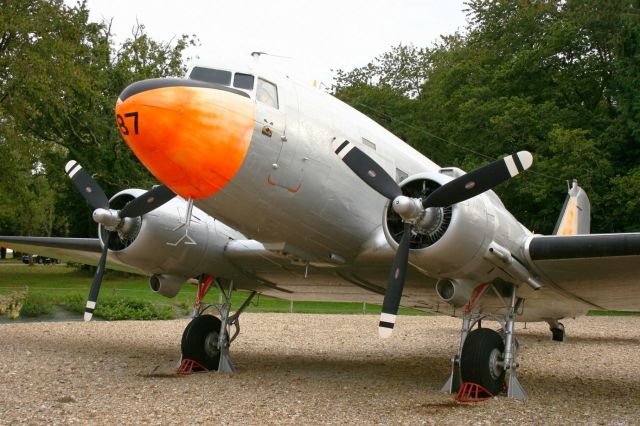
<point>310,369</point>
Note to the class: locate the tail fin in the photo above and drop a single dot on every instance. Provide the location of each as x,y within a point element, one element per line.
<point>576,213</point>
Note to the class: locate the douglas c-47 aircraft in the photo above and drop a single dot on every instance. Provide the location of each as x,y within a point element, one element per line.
<point>279,189</point>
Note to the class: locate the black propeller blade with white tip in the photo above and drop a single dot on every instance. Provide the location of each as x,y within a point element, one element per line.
<point>148,201</point>
<point>479,180</point>
<point>368,170</point>
<point>88,187</point>
<point>97,282</point>
<point>96,197</point>
<point>392,296</point>
<point>460,189</point>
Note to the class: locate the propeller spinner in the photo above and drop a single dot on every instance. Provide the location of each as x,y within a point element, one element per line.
<point>110,219</point>
<point>413,210</point>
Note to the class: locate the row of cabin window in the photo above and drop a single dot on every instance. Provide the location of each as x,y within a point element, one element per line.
<point>266,93</point>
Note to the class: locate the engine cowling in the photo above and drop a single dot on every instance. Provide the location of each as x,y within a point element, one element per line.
<point>155,243</point>
<point>454,245</point>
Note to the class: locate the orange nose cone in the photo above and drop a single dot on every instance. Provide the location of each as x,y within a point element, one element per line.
<point>193,137</point>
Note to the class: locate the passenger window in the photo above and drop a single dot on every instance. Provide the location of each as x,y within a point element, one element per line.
<point>243,81</point>
<point>211,76</point>
<point>267,93</point>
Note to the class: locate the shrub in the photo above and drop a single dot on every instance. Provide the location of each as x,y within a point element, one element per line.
<point>31,310</point>
<point>74,302</point>
<point>36,305</point>
<point>121,308</point>
<point>12,303</point>
<point>114,308</point>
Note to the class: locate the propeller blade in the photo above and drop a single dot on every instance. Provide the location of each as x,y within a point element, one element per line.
<point>148,201</point>
<point>368,170</point>
<point>88,187</point>
<point>97,282</point>
<point>479,180</point>
<point>395,286</point>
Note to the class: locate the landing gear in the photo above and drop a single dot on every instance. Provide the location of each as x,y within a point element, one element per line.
<point>485,356</point>
<point>557,331</point>
<point>207,338</point>
<point>480,360</point>
<point>200,341</point>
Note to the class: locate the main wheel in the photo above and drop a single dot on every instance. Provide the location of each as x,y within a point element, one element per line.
<point>481,352</point>
<point>200,341</point>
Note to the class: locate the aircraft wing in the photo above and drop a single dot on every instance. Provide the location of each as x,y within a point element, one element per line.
<point>601,269</point>
<point>81,250</point>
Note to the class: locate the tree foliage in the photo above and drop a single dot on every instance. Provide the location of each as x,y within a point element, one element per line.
<point>60,76</point>
<point>558,78</point>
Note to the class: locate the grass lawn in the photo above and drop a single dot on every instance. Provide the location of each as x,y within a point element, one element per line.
<point>53,285</point>
<point>121,297</point>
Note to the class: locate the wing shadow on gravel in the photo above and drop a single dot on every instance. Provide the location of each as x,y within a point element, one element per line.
<point>535,337</point>
<point>427,370</point>
<point>86,346</point>
<point>424,370</point>
<point>556,387</point>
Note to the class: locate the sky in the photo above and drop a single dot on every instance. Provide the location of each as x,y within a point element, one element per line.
<point>309,38</point>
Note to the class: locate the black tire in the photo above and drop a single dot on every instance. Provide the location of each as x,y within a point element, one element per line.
<point>557,333</point>
<point>198,341</point>
<point>481,349</point>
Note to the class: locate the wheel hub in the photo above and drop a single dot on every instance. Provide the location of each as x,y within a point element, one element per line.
<point>494,363</point>
<point>211,344</point>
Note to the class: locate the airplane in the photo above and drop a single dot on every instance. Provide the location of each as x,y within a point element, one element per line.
<point>278,188</point>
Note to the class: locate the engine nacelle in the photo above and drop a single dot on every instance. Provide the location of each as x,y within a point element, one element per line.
<point>166,285</point>
<point>453,247</point>
<point>156,244</point>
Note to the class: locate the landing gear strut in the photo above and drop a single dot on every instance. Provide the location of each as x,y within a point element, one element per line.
<point>485,356</point>
<point>207,338</point>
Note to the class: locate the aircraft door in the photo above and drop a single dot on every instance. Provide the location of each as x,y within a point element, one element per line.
<point>271,118</point>
<point>277,114</point>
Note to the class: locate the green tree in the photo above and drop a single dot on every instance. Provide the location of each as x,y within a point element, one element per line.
<point>558,78</point>
<point>60,76</point>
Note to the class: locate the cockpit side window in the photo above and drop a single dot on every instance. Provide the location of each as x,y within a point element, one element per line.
<point>211,76</point>
<point>267,93</point>
<point>243,81</point>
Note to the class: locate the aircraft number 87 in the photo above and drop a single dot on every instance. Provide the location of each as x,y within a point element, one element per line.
<point>123,127</point>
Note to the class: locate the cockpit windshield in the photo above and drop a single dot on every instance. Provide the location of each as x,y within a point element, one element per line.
<point>210,75</point>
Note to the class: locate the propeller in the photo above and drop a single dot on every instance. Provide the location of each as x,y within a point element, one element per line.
<point>110,219</point>
<point>412,210</point>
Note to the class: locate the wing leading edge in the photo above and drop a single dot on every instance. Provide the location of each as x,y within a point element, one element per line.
<point>81,250</point>
<point>602,269</point>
